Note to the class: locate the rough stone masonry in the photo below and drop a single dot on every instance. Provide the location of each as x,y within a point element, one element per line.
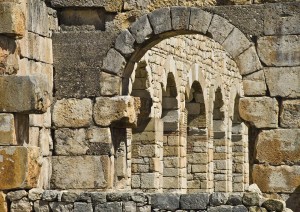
<point>155,105</point>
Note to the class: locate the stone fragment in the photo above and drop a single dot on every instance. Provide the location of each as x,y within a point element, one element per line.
<point>273,205</point>
<point>290,114</point>
<point>51,195</point>
<point>257,209</point>
<point>72,113</point>
<point>234,200</point>
<point>124,43</point>
<point>222,208</point>
<point>118,64</point>
<point>41,206</point>
<point>34,98</point>
<point>239,208</point>
<point>194,201</point>
<point>251,199</point>
<point>82,206</point>
<point>165,201</point>
<point>248,61</point>
<point>70,196</point>
<point>98,197</point>
<point>199,20</point>
<point>109,84</point>
<point>7,129</point>
<point>279,50</point>
<point>120,109</point>
<point>219,28</point>
<point>278,146</point>
<point>271,179</point>
<point>3,204</point>
<point>129,206</point>
<point>12,19</point>
<point>21,205</point>
<point>61,206</point>
<point>283,82</point>
<point>218,198</point>
<point>16,195</point>
<point>180,18</point>
<point>160,20</point>
<point>255,84</point>
<point>262,112</point>
<point>109,206</point>
<point>19,167</point>
<point>141,29</point>
<point>35,194</point>
<point>236,43</point>
<point>9,56</point>
<point>76,168</point>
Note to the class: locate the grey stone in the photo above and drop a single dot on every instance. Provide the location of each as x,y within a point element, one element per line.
<point>85,197</point>
<point>141,29</point>
<point>218,198</point>
<point>109,207</point>
<point>248,62</point>
<point>113,197</point>
<point>139,198</point>
<point>283,82</point>
<point>146,208</point>
<point>257,209</point>
<point>273,205</point>
<point>160,20</point>
<point>114,62</point>
<point>194,201</point>
<point>239,208</point>
<point>83,207</point>
<point>199,20</point>
<point>98,197</point>
<point>41,206</point>
<point>165,201</point>
<point>129,206</point>
<point>109,84</point>
<point>69,196</point>
<point>251,199</point>
<point>124,43</point>
<point>222,208</point>
<point>61,206</point>
<point>219,28</point>
<point>236,43</point>
<point>234,200</point>
<point>21,205</point>
<point>180,18</point>
<point>50,195</point>
<point>34,98</point>
<point>16,195</point>
<point>35,194</point>
<point>255,84</point>
<point>290,114</point>
<point>279,50</point>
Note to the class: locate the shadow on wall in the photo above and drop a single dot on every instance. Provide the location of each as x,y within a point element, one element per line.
<point>293,202</point>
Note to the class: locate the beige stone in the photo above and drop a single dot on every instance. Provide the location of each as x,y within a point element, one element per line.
<point>255,84</point>
<point>12,19</point>
<point>19,167</point>
<point>72,113</point>
<point>3,204</point>
<point>109,84</point>
<point>9,56</point>
<point>262,112</point>
<point>7,129</point>
<point>278,146</point>
<point>290,114</point>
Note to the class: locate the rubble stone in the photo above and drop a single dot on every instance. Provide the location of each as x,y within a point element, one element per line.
<point>290,114</point>
<point>160,20</point>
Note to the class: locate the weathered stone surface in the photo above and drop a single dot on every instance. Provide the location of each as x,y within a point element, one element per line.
<point>251,199</point>
<point>234,200</point>
<point>109,206</point>
<point>21,205</point>
<point>9,56</point>
<point>199,20</point>
<point>72,113</point>
<point>262,112</point>
<point>34,98</point>
<point>273,205</point>
<point>165,201</point>
<point>120,109</point>
<point>82,206</point>
<point>290,114</point>
<point>70,196</point>
<point>7,129</point>
<point>180,18</point>
<point>276,178</point>
<point>35,194</point>
<point>160,20</point>
<point>16,195</point>
<point>278,146</point>
<point>19,167</point>
<point>109,84</point>
<point>222,208</point>
<point>12,19</point>
<point>284,82</point>
<point>194,201</point>
<point>61,206</point>
<point>141,29</point>
<point>279,50</point>
<point>110,6</point>
<point>248,62</point>
<point>76,168</point>
<point>124,43</point>
<point>3,204</point>
<point>114,62</point>
<point>255,84</point>
<point>41,206</point>
<point>218,198</point>
<point>257,209</point>
<point>50,195</point>
<point>219,28</point>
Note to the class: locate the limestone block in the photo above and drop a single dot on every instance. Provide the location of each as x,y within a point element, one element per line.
<point>290,114</point>
<point>199,20</point>
<point>276,178</point>
<point>35,194</point>
<point>141,29</point>
<point>82,206</point>
<point>219,28</point>
<point>40,120</point>
<point>19,167</point>
<point>12,19</point>
<point>40,206</point>
<point>72,113</point>
<point>248,62</point>
<point>180,18</point>
<point>165,201</point>
<point>284,82</point>
<point>26,94</point>
<point>120,109</point>
<point>3,204</point>
<point>21,205</point>
<point>160,20</point>
<point>38,21</point>
<point>255,84</point>
<point>109,206</point>
<point>61,206</point>
<point>45,141</point>
<point>278,146</point>
<point>7,129</point>
<point>109,84</point>
<point>194,201</point>
<point>124,43</point>
<point>279,50</point>
<point>262,112</point>
<point>9,56</point>
<point>236,43</point>
<point>83,172</point>
<point>118,64</point>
